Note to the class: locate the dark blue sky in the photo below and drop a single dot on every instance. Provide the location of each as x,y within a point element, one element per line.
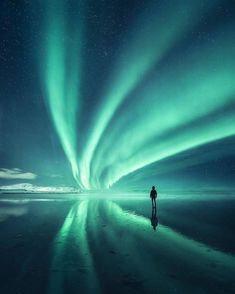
<point>173,50</point>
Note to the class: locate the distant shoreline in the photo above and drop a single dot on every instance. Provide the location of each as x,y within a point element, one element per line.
<point>39,192</point>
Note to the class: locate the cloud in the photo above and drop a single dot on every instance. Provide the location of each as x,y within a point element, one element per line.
<point>56,176</point>
<point>16,173</point>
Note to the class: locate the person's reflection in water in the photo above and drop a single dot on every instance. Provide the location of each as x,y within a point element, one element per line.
<point>154,219</point>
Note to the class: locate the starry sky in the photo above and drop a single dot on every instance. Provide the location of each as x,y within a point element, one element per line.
<point>123,94</point>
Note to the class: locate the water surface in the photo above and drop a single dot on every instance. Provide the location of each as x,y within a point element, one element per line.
<point>67,244</point>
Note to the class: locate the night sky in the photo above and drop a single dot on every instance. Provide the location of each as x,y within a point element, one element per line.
<point>118,93</point>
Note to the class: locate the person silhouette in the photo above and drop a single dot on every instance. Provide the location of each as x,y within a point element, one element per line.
<point>153,196</point>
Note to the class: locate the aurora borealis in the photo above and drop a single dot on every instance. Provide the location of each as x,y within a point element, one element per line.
<point>62,79</point>
<point>99,101</point>
<point>110,94</point>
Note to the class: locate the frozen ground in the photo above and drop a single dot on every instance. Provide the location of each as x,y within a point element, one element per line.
<point>68,245</point>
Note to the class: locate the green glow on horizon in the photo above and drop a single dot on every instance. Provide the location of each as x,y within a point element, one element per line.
<point>61,77</point>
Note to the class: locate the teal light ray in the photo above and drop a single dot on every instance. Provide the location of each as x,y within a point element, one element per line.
<point>173,145</point>
<point>202,86</point>
<point>61,75</point>
<point>56,280</point>
<point>151,38</point>
<point>178,163</point>
<point>73,234</point>
<point>81,224</point>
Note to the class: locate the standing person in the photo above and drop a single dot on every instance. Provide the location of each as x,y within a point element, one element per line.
<point>153,196</point>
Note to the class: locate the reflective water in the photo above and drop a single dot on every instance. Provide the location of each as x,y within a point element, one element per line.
<point>70,245</point>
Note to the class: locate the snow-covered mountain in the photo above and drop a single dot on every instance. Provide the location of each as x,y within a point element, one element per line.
<point>29,188</point>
